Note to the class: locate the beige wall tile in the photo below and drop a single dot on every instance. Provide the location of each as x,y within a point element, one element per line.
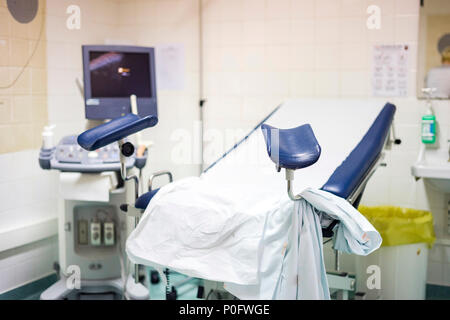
<point>278,9</point>
<point>4,51</point>
<point>7,139</point>
<point>39,51</point>
<point>36,28</point>
<point>5,27</point>
<point>19,52</point>
<point>253,9</point>
<point>302,9</point>
<point>327,8</point>
<point>18,30</point>
<point>303,31</point>
<point>38,81</point>
<point>16,103</point>
<point>39,109</point>
<point>4,80</point>
<point>23,136</point>
<point>5,109</point>
<point>21,109</point>
<point>23,83</point>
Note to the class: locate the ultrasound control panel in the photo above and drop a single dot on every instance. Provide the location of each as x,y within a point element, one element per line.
<point>69,151</point>
<point>68,156</point>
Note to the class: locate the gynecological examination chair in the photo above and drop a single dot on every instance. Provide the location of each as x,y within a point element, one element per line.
<point>347,159</point>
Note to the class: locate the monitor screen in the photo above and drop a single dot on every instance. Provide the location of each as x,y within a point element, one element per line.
<point>119,74</point>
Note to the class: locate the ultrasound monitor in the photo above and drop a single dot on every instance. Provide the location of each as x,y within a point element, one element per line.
<point>112,74</point>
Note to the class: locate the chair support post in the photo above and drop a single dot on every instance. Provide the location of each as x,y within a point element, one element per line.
<point>123,160</point>
<point>289,179</point>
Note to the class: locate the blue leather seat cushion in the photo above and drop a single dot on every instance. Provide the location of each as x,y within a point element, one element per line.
<point>143,201</point>
<point>297,147</point>
<point>114,130</point>
<point>350,173</point>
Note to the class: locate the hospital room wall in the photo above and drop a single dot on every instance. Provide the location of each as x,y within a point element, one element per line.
<point>158,23</point>
<point>25,195</point>
<point>29,194</point>
<point>259,53</point>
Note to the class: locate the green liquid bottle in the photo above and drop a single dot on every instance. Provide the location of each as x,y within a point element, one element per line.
<point>429,127</point>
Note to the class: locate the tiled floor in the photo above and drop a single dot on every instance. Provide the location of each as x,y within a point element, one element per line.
<point>32,291</point>
<point>437,292</point>
<point>187,291</point>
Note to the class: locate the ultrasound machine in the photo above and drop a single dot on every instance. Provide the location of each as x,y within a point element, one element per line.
<point>118,81</point>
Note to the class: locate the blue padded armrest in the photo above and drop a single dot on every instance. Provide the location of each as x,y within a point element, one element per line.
<point>143,201</point>
<point>114,130</point>
<point>346,178</point>
<point>291,148</point>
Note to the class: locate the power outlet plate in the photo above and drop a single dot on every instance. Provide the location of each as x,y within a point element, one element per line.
<point>108,233</point>
<point>96,234</point>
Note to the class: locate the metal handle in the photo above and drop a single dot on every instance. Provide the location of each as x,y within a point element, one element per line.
<point>392,138</point>
<point>158,174</point>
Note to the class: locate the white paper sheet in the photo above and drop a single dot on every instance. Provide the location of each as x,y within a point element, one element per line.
<point>170,67</point>
<point>390,70</point>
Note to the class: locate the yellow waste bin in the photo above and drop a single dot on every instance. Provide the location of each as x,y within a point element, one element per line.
<point>403,257</point>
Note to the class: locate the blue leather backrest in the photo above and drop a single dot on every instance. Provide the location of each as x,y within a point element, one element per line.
<point>114,130</point>
<point>350,173</point>
<point>294,148</point>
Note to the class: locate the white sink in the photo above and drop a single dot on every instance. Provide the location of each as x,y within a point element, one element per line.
<point>437,174</point>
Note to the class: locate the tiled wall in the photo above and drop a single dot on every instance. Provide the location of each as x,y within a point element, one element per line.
<point>23,79</point>
<point>25,264</point>
<point>258,53</point>
<point>165,22</point>
<point>99,21</point>
<point>28,193</point>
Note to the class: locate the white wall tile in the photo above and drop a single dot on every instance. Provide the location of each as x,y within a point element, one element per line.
<point>353,56</point>
<point>302,9</point>
<point>386,33</point>
<point>328,31</point>
<point>327,8</point>
<point>303,31</point>
<point>353,30</point>
<point>387,6</point>
<point>231,33</point>
<point>254,9</point>
<point>435,272</point>
<point>278,9</point>
<point>302,57</point>
<point>407,29</point>
<point>278,32</point>
<point>353,8</point>
<point>407,7</point>
<point>253,58</point>
<point>327,57</point>
<point>277,58</point>
<point>354,83</point>
<point>327,83</point>
<point>254,32</point>
<point>302,83</point>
